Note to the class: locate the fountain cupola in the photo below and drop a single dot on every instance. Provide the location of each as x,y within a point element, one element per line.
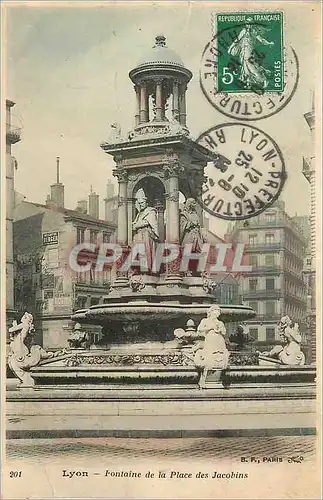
<point>160,81</point>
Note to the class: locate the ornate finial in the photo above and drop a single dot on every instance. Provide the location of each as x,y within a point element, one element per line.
<point>160,41</point>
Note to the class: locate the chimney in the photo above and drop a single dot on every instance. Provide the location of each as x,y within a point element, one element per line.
<point>94,204</point>
<point>111,203</point>
<point>57,190</point>
<point>81,206</point>
<point>110,190</point>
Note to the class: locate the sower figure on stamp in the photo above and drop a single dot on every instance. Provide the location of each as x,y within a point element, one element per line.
<point>251,71</point>
<point>145,227</point>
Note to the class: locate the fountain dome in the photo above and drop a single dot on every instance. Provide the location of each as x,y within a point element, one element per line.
<point>160,54</point>
<point>160,58</point>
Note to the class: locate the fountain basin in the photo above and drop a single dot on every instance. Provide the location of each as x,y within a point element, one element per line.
<point>145,312</point>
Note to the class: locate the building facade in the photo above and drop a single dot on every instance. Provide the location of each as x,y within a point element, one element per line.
<point>309,174</point>
<point>13,136</point>
<point>275,248</point>
<point>45,283</point>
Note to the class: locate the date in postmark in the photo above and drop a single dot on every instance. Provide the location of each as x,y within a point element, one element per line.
<point>247,71</point>
<point>247,175</point>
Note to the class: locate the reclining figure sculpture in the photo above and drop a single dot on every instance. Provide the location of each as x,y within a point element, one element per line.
<point>289,353</point>
<point>22,354</point>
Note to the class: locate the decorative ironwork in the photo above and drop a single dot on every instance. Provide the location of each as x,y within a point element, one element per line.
<point>243,358</point>
<point>129,359</point>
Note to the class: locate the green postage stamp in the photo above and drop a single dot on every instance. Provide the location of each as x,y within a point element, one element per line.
<point>250,52</point>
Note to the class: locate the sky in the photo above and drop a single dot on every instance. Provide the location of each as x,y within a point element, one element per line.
<point>67,70</point>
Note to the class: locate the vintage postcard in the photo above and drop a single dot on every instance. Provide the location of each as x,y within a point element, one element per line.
<point>162,245</point>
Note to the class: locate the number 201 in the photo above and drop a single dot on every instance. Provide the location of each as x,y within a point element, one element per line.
<point>15,473</point>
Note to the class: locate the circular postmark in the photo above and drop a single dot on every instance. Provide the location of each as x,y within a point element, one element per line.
<point>247,174</point>
<point>224,76</point>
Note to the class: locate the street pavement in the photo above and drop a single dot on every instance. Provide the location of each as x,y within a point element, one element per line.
<point>187,449</point>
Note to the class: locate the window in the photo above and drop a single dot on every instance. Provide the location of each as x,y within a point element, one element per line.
<point>106,237</point>
<point>270,260</point>
<point>92,275</point>
<point>80,303</point>
<point>253,239</point>
<point>254,305</point>
<point>48,280</point>
<point>269,239</point>
<point>59,284</point>
<point>94,301</point>
<point>270,283</point>
<point>270,333</point>
<point>48,294</point>
<point>253,283</point>
<point>253,332</point>
<point>253,260</point>
<point>93,236</point>
<point>270,308</point>
<point>52,258</point>
<point>80,235</point>
<point>226,293</point>
<point>270,216</point>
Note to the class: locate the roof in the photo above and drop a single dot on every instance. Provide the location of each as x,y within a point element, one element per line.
<point>160,54</point>
<point>74,214</point>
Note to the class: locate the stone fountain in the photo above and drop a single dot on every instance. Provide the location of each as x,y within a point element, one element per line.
<point>161,329</point>
<point>154,163</point>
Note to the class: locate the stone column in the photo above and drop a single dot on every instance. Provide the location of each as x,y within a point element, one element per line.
<point>122,228</point>
<point>182,105</point>
<point>160,217</point>
<point>175,110</point>
<point>130,215</point>
<point>172,224</point>
<point>172,169</point>
<point>144,105</point>
<point>137,115</point>
<point>159,101</point>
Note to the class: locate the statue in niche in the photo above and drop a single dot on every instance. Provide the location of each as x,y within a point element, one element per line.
<point>145,227</point>
<point>190,226</point>
<point>212,353</point>
<point>289,353</point>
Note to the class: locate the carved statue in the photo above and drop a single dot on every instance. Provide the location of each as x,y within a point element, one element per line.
<point>289,353</point>
<point>212,354</point>
<point>145,226</point>
<point>78,338</point>
<point>115,133</point>
<point>190,226</point>
<point>240,338</point>
<point>136,283</point>
<point>22,356</point>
